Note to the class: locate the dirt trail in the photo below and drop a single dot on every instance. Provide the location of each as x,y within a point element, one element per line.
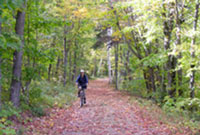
<point>107,112</point>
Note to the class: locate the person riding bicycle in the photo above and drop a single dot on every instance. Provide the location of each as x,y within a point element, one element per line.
<point>82,83</point>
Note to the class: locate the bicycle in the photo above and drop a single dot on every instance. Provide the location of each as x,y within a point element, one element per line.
<point>82,96</point>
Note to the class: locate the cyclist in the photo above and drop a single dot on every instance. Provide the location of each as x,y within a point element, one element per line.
<point>82,83</point>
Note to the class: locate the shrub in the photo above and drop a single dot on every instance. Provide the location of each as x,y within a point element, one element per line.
<point>46,94</point>
<point>5,130</point>
<point>184,106</point>
<point>135,86</point>
<point>7,111</point>
<point>38,111</point>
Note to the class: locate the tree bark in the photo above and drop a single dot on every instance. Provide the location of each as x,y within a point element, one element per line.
<point>152,79</point>
<point>95,67</point>
<point>109,65</point>
<point>100,64</point>
<point>171,63</point>
<point>145,75</point>
<point>75,62</point>
<point>65,57</point>
<point>0,74</point>
<point>70,65</point>
<point>158,76</point>
<point>49,72</point>
<point>57,66</point>
<point>17,60</point>
<point>192,76</point>
<point>128,70</point>
<point>28,82</point>
<point>116,66</point>
<point>179,18</point>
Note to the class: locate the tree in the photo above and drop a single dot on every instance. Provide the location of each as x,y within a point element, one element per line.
<point>17,59</point>
<point>0,69</point>
<point>192,76</point>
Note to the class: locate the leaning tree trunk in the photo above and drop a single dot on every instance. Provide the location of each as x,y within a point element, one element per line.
<point>116,66</point>
<point>17,60</point>
<point>192,76</point>
<point>0,74</point>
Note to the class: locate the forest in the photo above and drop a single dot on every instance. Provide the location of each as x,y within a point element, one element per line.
<point>147,48</point>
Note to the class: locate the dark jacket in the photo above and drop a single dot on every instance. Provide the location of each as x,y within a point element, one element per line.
<point>82,81</point>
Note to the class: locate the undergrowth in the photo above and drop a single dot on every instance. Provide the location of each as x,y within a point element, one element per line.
<point>180,111</point>
<point>42,95</point>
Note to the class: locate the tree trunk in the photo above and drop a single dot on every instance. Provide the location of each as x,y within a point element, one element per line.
<point>27,91</point>
<point>172,76</point>
<point>57,66</point>
<point>169,67</point>
<point>109,66</point>
<point>65,57</point>
<point>95,67</point>
<point>0,74</point>
<point>17,61</point>
<point>128,70</point>
<point>158,77</point>
<point>149,78</point>
<point>99,69</point>
<point>125,65</point>
<point>116,66</point>
<point>49,72</point>
<point>145,75</point>
<point>179,18</point>
<point>70,65</point>
<point>28,82</point>
<point>192,76</point>
<point>152,79</point>
<point>75,58</point>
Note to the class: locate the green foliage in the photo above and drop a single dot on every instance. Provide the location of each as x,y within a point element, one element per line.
<point>9,110</point>
<point>186,106</point>
<point>140,24</point>
<point>136,87</point>
<point>45,94</point>
<point>6,112</point>
<point>56,94</point>
<point>37,111</point>
<point>154,60</point>
<point>2,42</point>
<point>4,130</point>
<point>35,96</point>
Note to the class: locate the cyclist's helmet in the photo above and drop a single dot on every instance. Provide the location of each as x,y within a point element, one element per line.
<point>82,71</point>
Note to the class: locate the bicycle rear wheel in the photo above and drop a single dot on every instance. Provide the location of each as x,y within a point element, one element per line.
<point>82,98</point>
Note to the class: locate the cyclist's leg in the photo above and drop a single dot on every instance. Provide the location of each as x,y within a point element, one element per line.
<point>84,96</point>
<point>79,90</point>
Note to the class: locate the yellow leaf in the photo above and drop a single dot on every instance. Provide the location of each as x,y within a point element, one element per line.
<point>3,119</point>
